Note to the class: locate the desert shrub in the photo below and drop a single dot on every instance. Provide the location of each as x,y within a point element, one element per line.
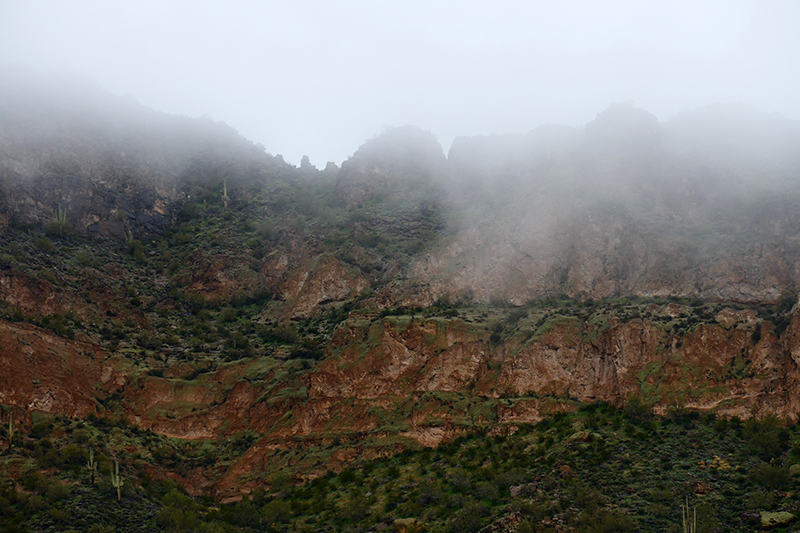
<point>393,472</point>
<point>276,512</point>
<point>190,211</point>
<point>228,315</point>
<point>786,301</point>
<point>87,260</point>
<point>607,522</point>
<point>756,337</point>
<point>781,323</point>
<point>41,430</point>
<point>148,341</point>
<point>770,476</point>
<point>279,334</point>
<point>308,349</point>
<point>34,482</point>
<point>767,436</point>
<point>237,341</point>
<point>165,455</point>
<point>172,519</point>
<point>266,230</point>
<point>467,519</point>
<point>487,491</point>
<point>356,507</point>
<point>136,249</point>
<point>459,479</point>
<point>57,229</point>
<point>45,245</point>
<point>57,491</point>
<point>638,409</point>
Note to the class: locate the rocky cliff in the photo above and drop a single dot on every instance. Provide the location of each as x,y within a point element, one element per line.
<point>426,378</point>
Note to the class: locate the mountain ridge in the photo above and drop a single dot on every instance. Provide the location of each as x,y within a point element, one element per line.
<point>175,277</point>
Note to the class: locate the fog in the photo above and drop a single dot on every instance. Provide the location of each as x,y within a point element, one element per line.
<point>318,78</point>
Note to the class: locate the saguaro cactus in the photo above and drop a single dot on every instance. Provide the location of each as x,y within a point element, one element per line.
<point>10,429</point>
<point>116,480</point>
<point>225,197</point>
<point>61,220</point>
<point>92,465</point>
<point>689,521</point>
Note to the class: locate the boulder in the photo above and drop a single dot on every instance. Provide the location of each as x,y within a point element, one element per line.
<point>779,519</point>
<point>408,525</point>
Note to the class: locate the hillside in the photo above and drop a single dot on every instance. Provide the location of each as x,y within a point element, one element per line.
<point>174,296</point>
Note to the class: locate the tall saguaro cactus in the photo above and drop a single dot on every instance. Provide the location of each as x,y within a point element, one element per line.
<point>92,465</point>
<point>10,429</point>
<point>61,220</point>
<point>225,197</point>
<point>689,521</point>
<point>116,480</point>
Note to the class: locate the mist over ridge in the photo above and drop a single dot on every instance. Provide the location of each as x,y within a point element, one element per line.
<point>294,77</point>
<point>623,205</point>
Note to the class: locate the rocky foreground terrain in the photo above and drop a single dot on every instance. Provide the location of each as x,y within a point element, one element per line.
<point>219,317</point>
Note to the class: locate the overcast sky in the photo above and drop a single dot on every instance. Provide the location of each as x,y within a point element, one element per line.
<point>320,77</point>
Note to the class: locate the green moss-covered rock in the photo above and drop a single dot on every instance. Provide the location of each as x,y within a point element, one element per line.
<point>408,525</point>
<point>779,519</point>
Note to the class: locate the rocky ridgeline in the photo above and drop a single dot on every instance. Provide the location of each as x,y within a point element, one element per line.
<point>701,206</point>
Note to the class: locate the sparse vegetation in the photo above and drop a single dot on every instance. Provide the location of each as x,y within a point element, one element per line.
<point>597,469</point>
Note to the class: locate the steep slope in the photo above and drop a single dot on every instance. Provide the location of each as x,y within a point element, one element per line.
<point>111,165</point>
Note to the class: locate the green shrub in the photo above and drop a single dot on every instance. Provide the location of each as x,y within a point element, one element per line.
<point>771,477</point>
<point>276,512</point>
<point>57,229</point>
<point>467,519</point>
<point>45,245</point>
<point>228,315</point>
<point>170,518</point>
<point>41,430</point>
<point>136,249</point>
<point>607,522</point>
<point>279,334</point>
<point>638,409</point>
<point>767,436</point>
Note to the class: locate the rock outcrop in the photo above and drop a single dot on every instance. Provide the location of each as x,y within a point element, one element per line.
<point>46,372</point>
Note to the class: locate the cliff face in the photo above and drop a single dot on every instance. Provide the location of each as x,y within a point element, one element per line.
<point>403,162</point>
<point>45,372</point>
<point>427,379</point>
<point>548,247</point>
<point>714,365</point>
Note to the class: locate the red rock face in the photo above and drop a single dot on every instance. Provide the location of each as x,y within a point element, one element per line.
<point>425,379</point>
<point>44,372</point>
<point>320,280</point>
<point>378,364</point>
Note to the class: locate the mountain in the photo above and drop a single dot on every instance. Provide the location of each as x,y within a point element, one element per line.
<point>172,293</point>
